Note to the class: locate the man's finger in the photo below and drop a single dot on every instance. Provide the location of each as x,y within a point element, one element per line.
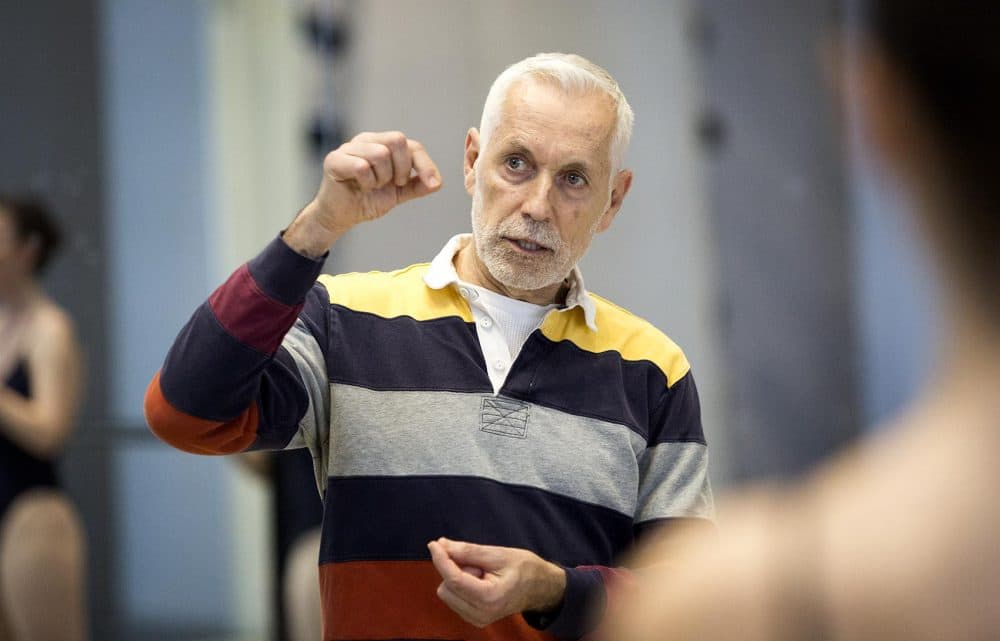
<point>343,166</point>
<point>470,586</point>
<point>426,170</point>
<point>402,161</point>
<point>415,188</point>
<point>461,607</point>
<point>398,146</point>
<point>375,154</point>
<point>487,557</point>
<point>447,568</point>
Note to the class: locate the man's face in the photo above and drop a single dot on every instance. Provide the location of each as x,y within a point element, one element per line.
<point>542,187</point>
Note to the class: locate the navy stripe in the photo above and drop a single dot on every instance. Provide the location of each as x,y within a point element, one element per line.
<point>211,375</point>
<point>283,274</point>
<point>405,354</point>
<point>385,518</point>
<point>604,386</point>
<point>678,417</point>
<point>444,355</point>
<point>281,405</point>
<point>584,601</point>
<point>315,313</point>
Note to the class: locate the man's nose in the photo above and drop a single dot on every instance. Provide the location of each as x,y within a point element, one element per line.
<point>538,202</point>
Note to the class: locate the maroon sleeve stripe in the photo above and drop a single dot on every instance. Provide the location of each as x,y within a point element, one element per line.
<point>249,315</point>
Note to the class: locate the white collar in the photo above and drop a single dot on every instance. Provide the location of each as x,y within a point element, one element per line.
<point>442,274</point>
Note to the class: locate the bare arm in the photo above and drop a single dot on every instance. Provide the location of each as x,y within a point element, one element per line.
<point>892,541</point>
<point>42,423</point>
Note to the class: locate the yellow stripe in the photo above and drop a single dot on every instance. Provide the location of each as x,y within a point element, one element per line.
<point>619,331</point>
<point>394,294</point>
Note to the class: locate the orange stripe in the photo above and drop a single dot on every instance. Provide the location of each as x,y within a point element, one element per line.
<point>367,600</point>
<point>198,435</point>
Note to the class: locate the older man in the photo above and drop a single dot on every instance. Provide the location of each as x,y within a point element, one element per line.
<point>488,436</point>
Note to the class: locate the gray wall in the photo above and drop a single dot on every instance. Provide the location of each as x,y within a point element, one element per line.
<point>50,127</point>
<point>50,137</point>
<point>171,554</point>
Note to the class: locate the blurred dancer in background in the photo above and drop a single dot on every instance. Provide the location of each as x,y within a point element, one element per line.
<point>41,539</point>
<point>896,540</point>
<point>297,514</point>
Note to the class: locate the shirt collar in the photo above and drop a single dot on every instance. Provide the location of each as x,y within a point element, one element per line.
<point>442,273</point>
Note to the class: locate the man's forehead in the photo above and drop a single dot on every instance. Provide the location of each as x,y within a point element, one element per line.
<point>547,98</point>
<point>543,114</point>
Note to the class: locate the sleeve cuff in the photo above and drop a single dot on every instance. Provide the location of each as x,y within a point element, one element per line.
<point>283,274</point>
<point>580,610</point>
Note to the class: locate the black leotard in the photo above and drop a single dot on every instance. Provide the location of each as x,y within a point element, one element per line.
<point>19,470</point>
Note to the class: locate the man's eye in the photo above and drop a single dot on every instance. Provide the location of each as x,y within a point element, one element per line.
<point>575,179</point>
<point>515,164</point>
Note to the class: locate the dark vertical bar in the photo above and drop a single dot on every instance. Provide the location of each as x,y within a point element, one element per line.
<point>779,205</point>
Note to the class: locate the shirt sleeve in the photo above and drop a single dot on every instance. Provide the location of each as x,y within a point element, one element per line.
<point>247,370</point>
<point>673,488</point>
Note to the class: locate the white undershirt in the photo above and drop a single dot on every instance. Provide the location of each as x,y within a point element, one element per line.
<point>502,324</point>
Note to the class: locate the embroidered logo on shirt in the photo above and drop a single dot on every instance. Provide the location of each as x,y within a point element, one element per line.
<point>504,417</point>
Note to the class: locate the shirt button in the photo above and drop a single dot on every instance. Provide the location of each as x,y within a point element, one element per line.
<point>464,291</point>
<point>499,365</point>
<point>486,322</point>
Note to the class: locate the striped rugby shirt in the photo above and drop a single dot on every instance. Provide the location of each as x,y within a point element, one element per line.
<point>594,437</point>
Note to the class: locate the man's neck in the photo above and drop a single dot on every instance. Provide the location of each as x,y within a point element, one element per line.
<point>473,271</point>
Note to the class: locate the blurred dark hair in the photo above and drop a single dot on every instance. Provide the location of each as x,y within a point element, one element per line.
<point>949,53</point>
<point>33,219</point>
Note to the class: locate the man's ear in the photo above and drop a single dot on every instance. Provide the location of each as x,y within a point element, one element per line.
<point>469,161</point>
<point>619,188</point>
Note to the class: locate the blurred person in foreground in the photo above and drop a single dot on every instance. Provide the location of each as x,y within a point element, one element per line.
<point>41,538</point>
<point>897,539</point>
<point>490,436</point>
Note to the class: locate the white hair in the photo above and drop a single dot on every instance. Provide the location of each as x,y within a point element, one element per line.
<point>572,73</point>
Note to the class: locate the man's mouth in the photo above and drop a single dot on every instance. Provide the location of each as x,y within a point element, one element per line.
<point>527,246</point>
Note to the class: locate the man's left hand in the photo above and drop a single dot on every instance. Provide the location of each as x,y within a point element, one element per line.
<point>485,583</point>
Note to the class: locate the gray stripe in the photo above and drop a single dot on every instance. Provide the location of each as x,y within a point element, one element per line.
<point>675,482</point>
<point>314,428</point>
<point>402,433</point>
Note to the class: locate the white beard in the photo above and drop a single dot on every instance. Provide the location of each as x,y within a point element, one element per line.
<point>511,268</point>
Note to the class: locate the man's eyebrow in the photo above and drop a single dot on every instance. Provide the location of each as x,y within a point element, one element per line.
<point>516,146</point>
<point>578,165</point>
